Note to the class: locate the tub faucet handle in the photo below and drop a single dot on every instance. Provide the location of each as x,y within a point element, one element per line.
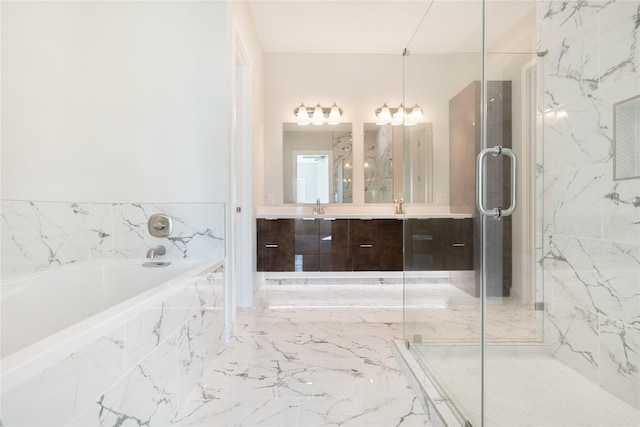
<point>159,225</point>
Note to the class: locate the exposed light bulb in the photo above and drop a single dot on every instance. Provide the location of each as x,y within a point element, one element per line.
<point>416,114</point>
<point>384,116</point>
<point>318,116</point>
<point>398,117</point>
<point>334,115</point>
<point>302,115</point>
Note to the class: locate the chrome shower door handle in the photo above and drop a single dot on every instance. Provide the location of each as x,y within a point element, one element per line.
<point>496,212</point>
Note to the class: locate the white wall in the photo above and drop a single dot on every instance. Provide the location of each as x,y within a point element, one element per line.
<point>240,13</point>
<point>431,80</point>
<point>114,101</point>
<point>357,83</point>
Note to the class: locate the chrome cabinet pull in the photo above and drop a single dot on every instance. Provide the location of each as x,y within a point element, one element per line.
<point>366,246</point>
<point>270,246</point>
<point>496,212</point>
<point>458,245</point>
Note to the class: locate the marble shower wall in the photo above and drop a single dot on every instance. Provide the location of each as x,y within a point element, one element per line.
<point>590,229</point>
<point>40,235</point>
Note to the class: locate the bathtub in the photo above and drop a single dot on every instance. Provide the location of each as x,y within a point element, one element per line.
<point>50,320</point>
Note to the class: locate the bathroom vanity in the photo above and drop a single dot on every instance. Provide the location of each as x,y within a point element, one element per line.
<point>348,243</point>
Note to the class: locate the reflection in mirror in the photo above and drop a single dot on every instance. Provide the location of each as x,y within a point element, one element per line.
<point>317,163</point>
<point>411,147</point>
<point>417,166</point>
<point>312,176</point>
<point>378,163</point>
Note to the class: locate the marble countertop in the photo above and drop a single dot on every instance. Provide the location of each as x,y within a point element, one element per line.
<point>357,212</point>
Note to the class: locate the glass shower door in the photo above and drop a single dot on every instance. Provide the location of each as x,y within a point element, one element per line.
<point>541,328</point>
<point>442,304</point>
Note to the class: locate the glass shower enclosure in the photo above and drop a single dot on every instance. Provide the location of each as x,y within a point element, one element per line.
<point>520,96</point>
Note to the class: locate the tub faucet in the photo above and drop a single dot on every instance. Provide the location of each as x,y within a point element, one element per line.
<point>319,209</point>
<point>156,251</point>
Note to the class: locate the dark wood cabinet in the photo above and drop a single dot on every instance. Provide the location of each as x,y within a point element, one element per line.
<point>390,242</point>
<point>318,244</point>
<point>458,244</point>
<point>376,244</point>
<point>322,245</point>
<point>438,244</point>
<point>365,250</point>
<point>335,244</point>
<point>423,244</point>
<point>307,250</point>
<point>275,244</point>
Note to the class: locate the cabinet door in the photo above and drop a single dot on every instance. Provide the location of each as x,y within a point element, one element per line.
<point>334,243</point>
<point>459,244</point>
<point>425,240</point>
<point>275,245</point>
<point>306,244</point>
<point>364,245</point>
<point>390,243</point>
<point>263,229</point>
<point>282,236</point>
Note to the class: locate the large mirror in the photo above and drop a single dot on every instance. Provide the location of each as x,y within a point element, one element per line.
<point>398,163</point>
<point>317,163</point>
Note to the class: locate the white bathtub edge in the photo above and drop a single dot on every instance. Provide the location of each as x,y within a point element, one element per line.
<point>49,351</point>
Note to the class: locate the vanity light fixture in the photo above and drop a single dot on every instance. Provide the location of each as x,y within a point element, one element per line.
<point>319,115</point>
<point>398,116</point>
<point>334,115</point>
<point>302,115</point>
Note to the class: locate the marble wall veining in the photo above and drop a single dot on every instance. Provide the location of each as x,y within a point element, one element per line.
<point>139,373</point>
<point>590,223</point>
<point>39,235</point>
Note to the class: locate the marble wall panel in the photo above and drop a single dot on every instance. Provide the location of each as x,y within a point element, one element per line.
<point>571,195</point>
<point>598,275</point>
<point>56,395</point>
<point>577,135</point>
<point>620,41</point>
<point>147,395</point>
<point>101,230</point>
<point>620,359</point>
<point>198,230</point>
<point>590,222</point>
<point>40,235</point>
<point>578,338</point>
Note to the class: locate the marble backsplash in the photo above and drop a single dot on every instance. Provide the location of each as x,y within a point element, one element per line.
<point>590,223</point>
<point>40,235</point>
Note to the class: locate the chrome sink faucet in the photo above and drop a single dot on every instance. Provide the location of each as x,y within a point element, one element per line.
<point>399,207</point>
<point>156,251</point>
<point>319,209</point>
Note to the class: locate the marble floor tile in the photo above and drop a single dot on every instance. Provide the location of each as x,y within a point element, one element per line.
<point>310,355</point>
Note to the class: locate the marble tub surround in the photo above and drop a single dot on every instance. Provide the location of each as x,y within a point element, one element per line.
<point>40,235</point>
<point>310,359</point>
<point>141,371</point>
<point>590,224</point>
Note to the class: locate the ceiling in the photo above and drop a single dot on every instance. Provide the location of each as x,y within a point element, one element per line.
<point>388,26</point>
